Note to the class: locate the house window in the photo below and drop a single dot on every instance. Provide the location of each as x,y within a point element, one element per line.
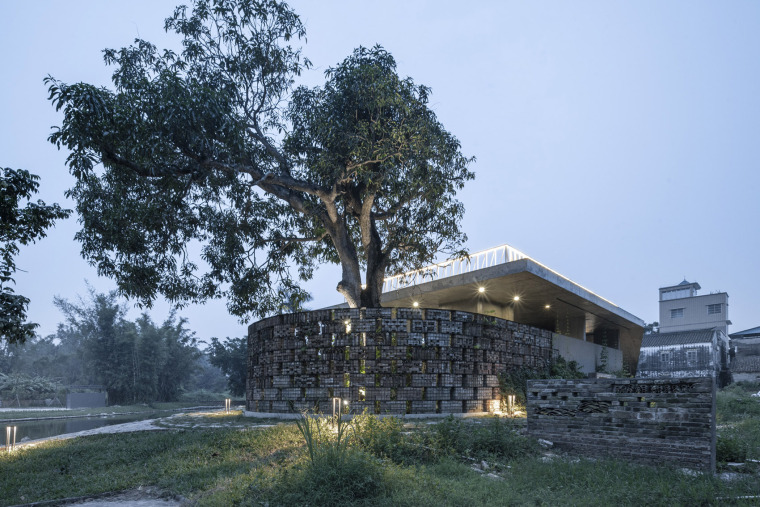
<point>676,313</point>
<point>691,356</point>
<point>664,357</point>
<point>714,309</point>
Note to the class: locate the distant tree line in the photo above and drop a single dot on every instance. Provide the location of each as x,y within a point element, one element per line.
<point>137,361</point>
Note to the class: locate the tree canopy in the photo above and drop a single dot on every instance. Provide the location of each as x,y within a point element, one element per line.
<point>215,150</point>
<point>135,361</point>
<point>19,225</point>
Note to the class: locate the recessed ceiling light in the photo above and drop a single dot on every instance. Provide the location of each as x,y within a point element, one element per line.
<point>416,304</point>
<point>481,289</point>
<point>516,298</point>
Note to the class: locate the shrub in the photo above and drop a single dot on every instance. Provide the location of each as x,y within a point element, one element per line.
<point>336,472</point>
<point>729,448</point>
<point>496,438</point>
<point>386,439</point>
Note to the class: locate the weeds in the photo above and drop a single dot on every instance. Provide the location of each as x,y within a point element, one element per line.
<point>337,472</point>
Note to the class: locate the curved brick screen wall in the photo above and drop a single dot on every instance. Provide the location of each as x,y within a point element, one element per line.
<point>387,360</point>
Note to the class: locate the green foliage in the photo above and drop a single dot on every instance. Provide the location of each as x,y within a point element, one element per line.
<point>135,361</point>
<point>214,145</point>
<point>268,466</point>
<point>729,448</point>
<point>207,377</point>
<point>386,438</point>
<point>515,380</point>
<point>736,403</point>
<point>738,415</point>
<point>24,387</point>
<point>337,472</point>
<point>495,438</point>
<point>231,356</point>
<point>19,226</point>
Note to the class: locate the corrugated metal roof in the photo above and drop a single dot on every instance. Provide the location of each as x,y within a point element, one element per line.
<point>679,338</point>
<point>749,364</point>
<point>755,331</point>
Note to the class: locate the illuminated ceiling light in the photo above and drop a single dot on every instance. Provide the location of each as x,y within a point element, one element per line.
<point>481,289</point>
<point>364,286</point>
<point>548,306</point>
<point>516,298</point>
<point>416,304</point>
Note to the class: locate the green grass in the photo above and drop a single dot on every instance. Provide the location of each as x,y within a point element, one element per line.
<point>377,462</point>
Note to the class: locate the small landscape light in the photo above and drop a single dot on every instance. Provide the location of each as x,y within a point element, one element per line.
<point>335,407</point>
<point>10,437</point>
<point>227,403</point>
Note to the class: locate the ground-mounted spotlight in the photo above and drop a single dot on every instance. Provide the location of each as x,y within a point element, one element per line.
<point>336,407</point>
<point>10,437</point>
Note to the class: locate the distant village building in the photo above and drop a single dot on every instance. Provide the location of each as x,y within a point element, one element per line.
<point>745,346</point>
<point>692,339</point>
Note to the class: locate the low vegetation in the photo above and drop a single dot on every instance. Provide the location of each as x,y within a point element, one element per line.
<point>738,416</point>
<point>227,459</point>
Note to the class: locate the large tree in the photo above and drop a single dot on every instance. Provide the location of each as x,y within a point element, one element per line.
<point>213,150</point>
<point>22,222</point>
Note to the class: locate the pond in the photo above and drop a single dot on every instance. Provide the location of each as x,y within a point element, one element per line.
<point>44,428</point>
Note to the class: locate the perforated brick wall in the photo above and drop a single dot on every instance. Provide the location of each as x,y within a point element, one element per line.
<point>387,360</point>
<point>650,421</point>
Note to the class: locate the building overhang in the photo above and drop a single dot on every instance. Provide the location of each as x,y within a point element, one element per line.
<point>538,296</point>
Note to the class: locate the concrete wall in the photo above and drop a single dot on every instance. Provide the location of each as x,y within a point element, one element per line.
<point>643,420</point>
<point>386,360</point>
<point>85,400</point>
<point>588,355</point>
<point>694,313</point>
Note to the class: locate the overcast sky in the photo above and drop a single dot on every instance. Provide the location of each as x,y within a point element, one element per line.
<point>616,142</point>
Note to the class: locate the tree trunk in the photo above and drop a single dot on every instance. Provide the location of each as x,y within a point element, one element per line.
<point>375,268</point>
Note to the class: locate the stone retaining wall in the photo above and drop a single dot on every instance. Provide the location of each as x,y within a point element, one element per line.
<point>387,360</point>
<point>651,421</point>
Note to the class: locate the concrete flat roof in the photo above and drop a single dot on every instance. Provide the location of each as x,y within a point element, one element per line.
<point>536,286</point>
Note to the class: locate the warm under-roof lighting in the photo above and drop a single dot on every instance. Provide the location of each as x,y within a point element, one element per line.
<point>548,306</point>
<point>481,289</point>
<point>516,298</point>
<point>416,304</point>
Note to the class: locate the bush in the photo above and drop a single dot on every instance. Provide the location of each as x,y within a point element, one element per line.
<point>496,438</point>
<point>386,439</point>
<point>336,472</point>
<point>729,448</point>
<point>204,396</point>
<point>735,402</point>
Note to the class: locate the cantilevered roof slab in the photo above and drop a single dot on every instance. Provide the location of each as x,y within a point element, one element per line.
<point>508,284</point>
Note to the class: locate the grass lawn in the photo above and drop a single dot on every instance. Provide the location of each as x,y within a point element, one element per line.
<point>228,460</point>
